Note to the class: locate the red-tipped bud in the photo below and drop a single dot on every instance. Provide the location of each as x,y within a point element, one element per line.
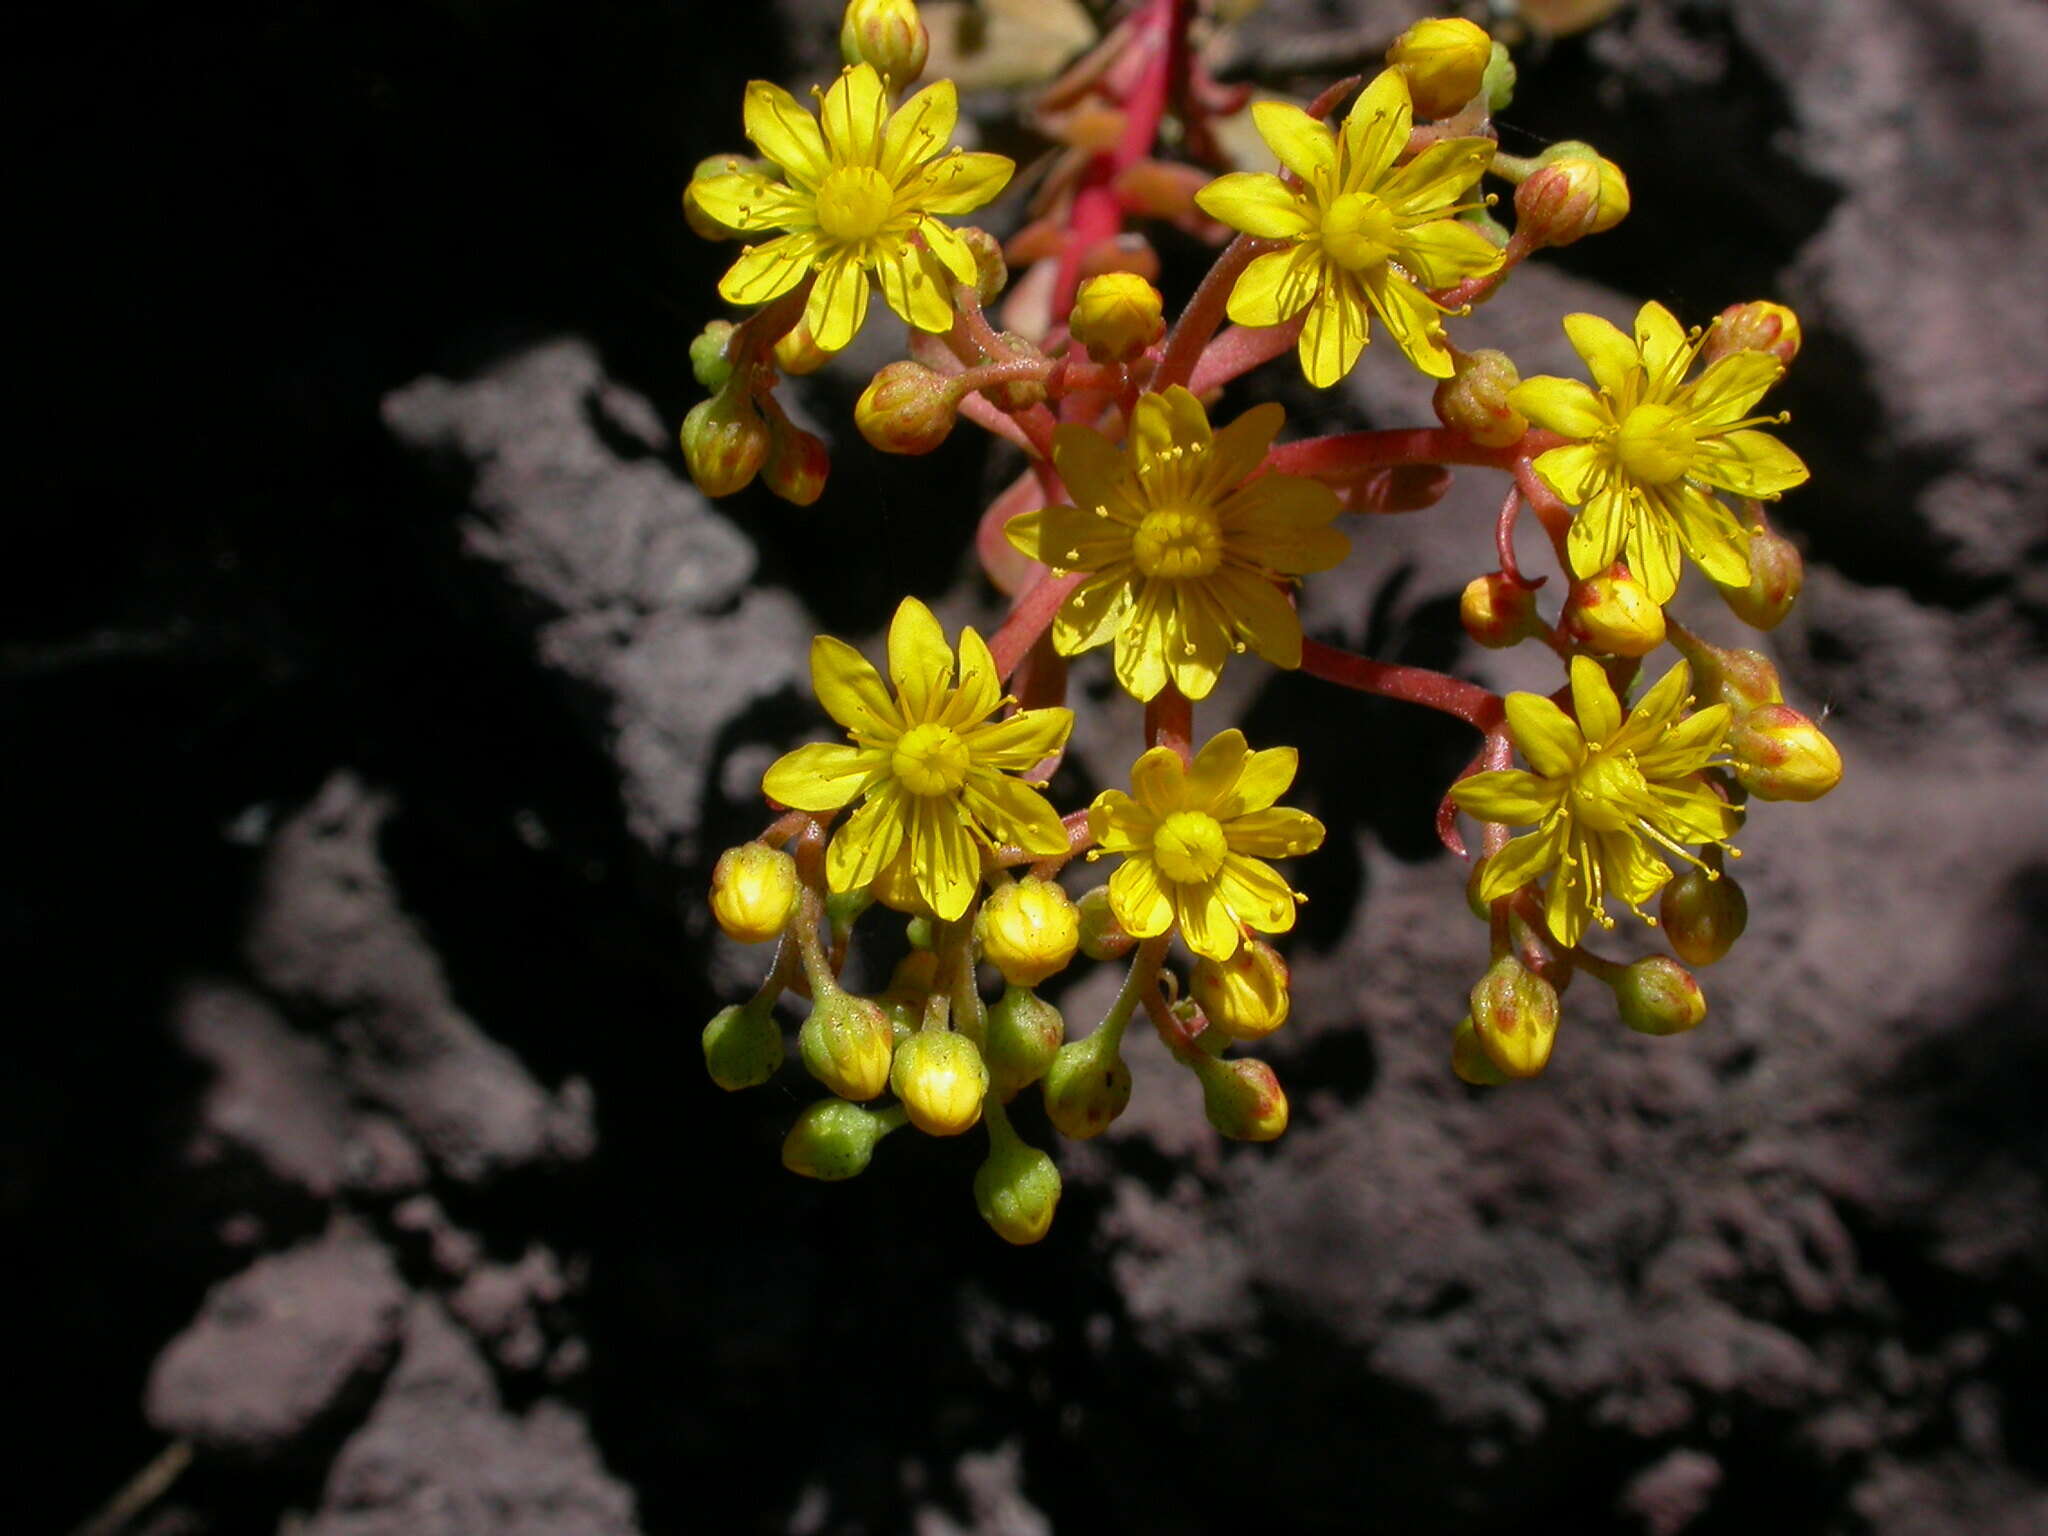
<point>907,408</point>
<point>1515,1012</point>
<point>1102,936</point>
<point>742,1047</point>
<point>1024,1034</point>
<point>888,35</point>
<point>832,1140</point>
<point>1572,193</point>
<point>1658,996</point>
<point>1613,614</point>
<point>1703,913</point>
<point>1758,326</point>
<point>1087,1086</point>
<point>1474,399</point>
<point>753,890</point>
<point>725,443</point>
<point>1029,929</point>
<point>1782,755</point>
<point>1776,573</point>
<point>941,1081</point>
<point>1241,1097</point>
<point>1496,611</point>
<point>1444,60</point>
<point>846,1044</point>
<point>1244,997</point>
<point>798,464</point>
<point>1117,317</point>
<point>1469,1059</point>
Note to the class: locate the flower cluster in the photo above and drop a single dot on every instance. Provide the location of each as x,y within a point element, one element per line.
<point>1175,535</point>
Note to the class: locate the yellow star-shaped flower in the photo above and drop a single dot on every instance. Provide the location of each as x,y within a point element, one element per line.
<point>1651,449</point>
<point>933,771</point>
<point>1187,553</point>
<point>861,191</point>
<point>1193,840</point>
<point>1366,237</point>
<point>1604,790</point>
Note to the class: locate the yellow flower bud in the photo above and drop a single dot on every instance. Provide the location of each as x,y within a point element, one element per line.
<point>832,1140</point>
<point>1658,996</point>
<point>1087,1086</point>
<point>846,1044</point>
<point>1244,997</point>
<point>1497,612</point>
<point>725,443</point>
<point>1445,60</point>
<point>1241,1098</point>
<point>1781,755</point>
<point>1029,929</point>
<point>1017,1190</point>
<point>1703,913</point>
<point>742,1047</point>
<point>797,464</point>
<point>753,889</point>
<point>940,1079</point>
<point>1117,316</point>
<point>1573,192</point>
<point>1474,399</point>
<point>1612,614</point>
<point>906,408</point>
<point>1024,1034</point>
<point>887,34</point>
<point>1776,574</point>
<point>1515,1013</point>
<point>1758,326</point>
<point>798,352</point>
<point>1102,936</point>
<point>1469,1059</point>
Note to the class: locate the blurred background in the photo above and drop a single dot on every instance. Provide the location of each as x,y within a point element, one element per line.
<point>377,693</point>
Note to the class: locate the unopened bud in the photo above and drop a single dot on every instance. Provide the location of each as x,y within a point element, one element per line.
<point>1474,399</point>
<point>910,986</point>
<point>1658,996</point>
<point>1118,316</point>
<point>1515,1012</point>
<point>1469,1059</point>
<point>1758,326</point>
<point>846,1044</point>
<point>1017,1190</point>
<point>753,889</point>
<point>702,225</point>
<point>939,1077</point>
<point>1703,913</point>
<point>1087,1086</point>
<point>1241,1097</point>
<point>798,352</point>
<point>1782,755</point>
<point>1445,61</point>
<point>1741,679</point>
<point>1244,997</point>
<point>1014,395</point>
<point>1613,194</point>
<point>1496,611</point>
<point>707,355</point>
<point>725,443</point>
<point>1024,1034</point>
<point>832,1140</point>
<point>886,34</point>
<point>991,272</point>
<point>798,464</point>
<point>1102,936</point>
<point>1572,193</point>
<point>742,1047</point>
<point>906,408</point>
<point>1776,573</point>
<point>1499,83</point>
<point>1029,929</point>
<point>1613,614</point>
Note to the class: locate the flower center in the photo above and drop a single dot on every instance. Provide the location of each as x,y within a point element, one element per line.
<point>930,760</point>
<point>1178,543</point>
<point>1608,792</point>
<point>854,202</point>
<point>1655,445</point>
<point>1359,231</point>
<point>1189,847</point>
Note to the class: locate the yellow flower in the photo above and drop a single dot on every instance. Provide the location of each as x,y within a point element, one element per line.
<point>858,198</point>
<point>933,768</point>
<point>1365,237</point>
<point>1186,559</point>
<point>1193,841</point>
<point>1651,448</point>
<point>1604,790</point>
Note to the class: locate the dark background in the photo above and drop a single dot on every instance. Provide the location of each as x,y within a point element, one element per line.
<point>377,696</point>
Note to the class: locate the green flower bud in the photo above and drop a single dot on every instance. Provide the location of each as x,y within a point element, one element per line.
<point>1087,1086</point>
<point>1781,755</point>
<point>832,1140</point>
<point>725,442</point>
<point>707,355</point>
<point>753,891</point>
<point>1658,996</point>
<point>1024,1034</point>
<point>1029,929</point>
<point>1102,936</point>
<point>940,1079</point>
<point>1703,913</point>
<point>742,1046</point>
<point>1241,1097</point>
<point>1499,83</point>
<point>1515,1013</point>
<point>1244,997</point>
<point>1776,573</point>
<point>846,1044</point>
<point>1017,1190</point>
<point>1469,1059</point>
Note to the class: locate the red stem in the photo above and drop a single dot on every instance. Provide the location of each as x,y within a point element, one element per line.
<point>1205,311</point>
<point>1170,722</point>
<point>1349,454</point>
<point>1478,707</point>
<point>1241,349</point>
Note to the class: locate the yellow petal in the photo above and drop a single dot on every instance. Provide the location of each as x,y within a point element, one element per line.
<point>1021,742</point>
<point>1205,920</point>
<point>1276,285</point>
<point>747,200</point>
<point>1655,710</point>
<point>1415,323</point>
<point>1376,129</point>
<point>1610,357</point>
<point>1692,813</point>
<point>1273,832</point>
<point>1597,533</point>
<point>1437,178</point>
<point>1306,147</point>
<point>910,288</point>
<point>1238,449</point>
<point>822,776</point>
<point>1158,781</point>
<point>1199,639</point>
<point>1096,471</point>
<point>1709,533</point>
<point>958,183</point>
<point>1334,333</point>
<point>1255,894</point>
<point>1748,463</point>
<point>1138,898</point>
<point>785,133</point>
<point>1509,796</point>
<point>1545,735</point>
<point>839,301</point>
<point>944,856</point>
<point>1093,612</point>
<point>1256,203</point>
<point>979,690</point>
<point>1444,251</point>
<point>920,662</point>
<point>1593,701</point>
<point>1576,472</point>
<point>852,115</point>
<point>1728,389</point>
<point>1014,812</point>
<point>1560,405</point>
<point>951,251</point>
<point>1628,869</point>
<point>1140,656</point>
<point>1119,824</point>
<point>1524,859</point>
<point>1688,746</point>
<point>921,128</point>
<point>1070,539</point>
<point>870,838</point>
<point>1163,429</point>
<point>1261,781</point>
<point>1651,548</point>
<point>1261,615</point>
<point>851,690</point>
<point>1214,771</point>
<point>1566,907</point>
<point>768,271</point>
<point>1661,341</point>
